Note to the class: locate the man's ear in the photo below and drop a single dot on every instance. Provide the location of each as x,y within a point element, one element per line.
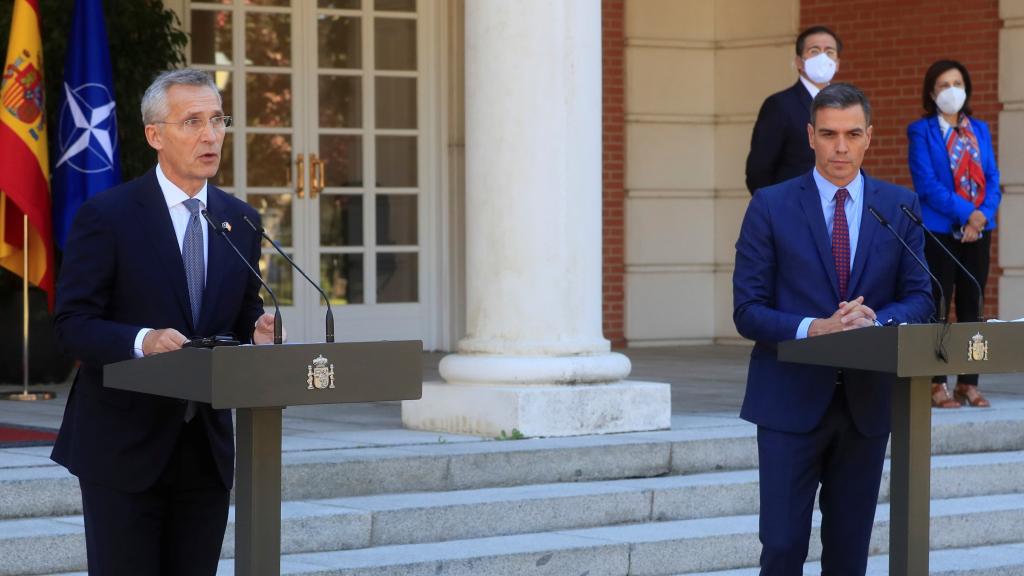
<point>867,143</point>
<point>810,135</point>
<point>154,137</point>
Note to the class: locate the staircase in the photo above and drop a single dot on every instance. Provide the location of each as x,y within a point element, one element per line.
<point>661,504</point>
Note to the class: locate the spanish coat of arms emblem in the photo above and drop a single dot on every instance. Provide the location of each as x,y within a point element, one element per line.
<point>320,374</point>
<point>977,348</point>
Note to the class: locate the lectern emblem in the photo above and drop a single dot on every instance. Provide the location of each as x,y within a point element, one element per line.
<point>319,376</point>
<point>977,348</point>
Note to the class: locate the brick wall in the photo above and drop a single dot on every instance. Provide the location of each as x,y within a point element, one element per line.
<point>614,171</point>
<point>887,47</point>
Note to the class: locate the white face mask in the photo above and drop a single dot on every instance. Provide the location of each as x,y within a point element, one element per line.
<point>951,100</point>
<point>820,69</point>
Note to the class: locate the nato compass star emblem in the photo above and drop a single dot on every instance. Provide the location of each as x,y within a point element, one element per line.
<point>88,129</point>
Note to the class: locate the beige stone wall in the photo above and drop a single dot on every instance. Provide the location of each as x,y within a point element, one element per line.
<point>1011,151</point>
<point>696,74</point>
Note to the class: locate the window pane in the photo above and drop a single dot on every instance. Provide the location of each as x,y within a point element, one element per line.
<point>340,42</point>
<point>340,4</point>
<point>268,2</point>
<point>396,220</point>
<point>396,161</point>
<point>224,82</point>
<point>396,102</point>
<point>341,101</point>
<point>397,278</point>
<point>395,44</point>
<point>211,37</point>
<point>396,5</point>
<point>276,214</point>
<point>341,220</point>
<point>341,276</point>
<point>268,100</point>
<point>268,159</point>
<point>225,177</point>
<point>343,157</point>
<point>268,39</point>
<point>277,273</point>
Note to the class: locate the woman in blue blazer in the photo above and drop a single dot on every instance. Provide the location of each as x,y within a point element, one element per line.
<point>955,174</point>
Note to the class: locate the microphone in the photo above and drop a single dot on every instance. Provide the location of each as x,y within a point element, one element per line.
<point>223,230</point>
<point>981,296</point>
<point>887,226</point>
<point>330,315</point>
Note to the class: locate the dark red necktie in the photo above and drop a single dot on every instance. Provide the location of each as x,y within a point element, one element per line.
<point>841,242</point>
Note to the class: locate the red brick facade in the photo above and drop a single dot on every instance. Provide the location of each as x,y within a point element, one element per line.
<point>613,268</point>
<point>887,47</point>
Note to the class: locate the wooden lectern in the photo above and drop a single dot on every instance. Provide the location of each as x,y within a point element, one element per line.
<point>910,352</point>
<point>260,381</point>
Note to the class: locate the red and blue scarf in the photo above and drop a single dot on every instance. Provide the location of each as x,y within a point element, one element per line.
<point>965,162</point>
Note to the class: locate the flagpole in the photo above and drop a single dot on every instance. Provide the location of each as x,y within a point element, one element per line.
<point>25,394</point>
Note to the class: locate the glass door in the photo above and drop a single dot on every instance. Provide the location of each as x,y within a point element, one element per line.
<point>327,145</point>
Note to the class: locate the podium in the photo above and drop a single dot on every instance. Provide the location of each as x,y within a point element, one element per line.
<point>259,382</point>
<point>910,352</point>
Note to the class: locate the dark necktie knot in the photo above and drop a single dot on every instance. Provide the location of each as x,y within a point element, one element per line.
<point>194,206</point>
<point>841,195</point>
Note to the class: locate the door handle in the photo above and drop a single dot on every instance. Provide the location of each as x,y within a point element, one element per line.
<point>300,169</point>
<point>316,175</point>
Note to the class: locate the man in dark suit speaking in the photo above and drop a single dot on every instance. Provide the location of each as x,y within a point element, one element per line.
<point>811,260</point>
<point>778,146</point>
<point>141,274</point>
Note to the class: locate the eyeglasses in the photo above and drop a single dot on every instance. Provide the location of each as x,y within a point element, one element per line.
<point>196,125</point>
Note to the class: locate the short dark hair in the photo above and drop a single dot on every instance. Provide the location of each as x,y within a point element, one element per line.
<point>802,38</point>
<point>934,71</point>
<point>840,96</point>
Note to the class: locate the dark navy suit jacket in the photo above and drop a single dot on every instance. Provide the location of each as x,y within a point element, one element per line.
<point>122,271</point>
<point>785,273</point>
<point>942,208</point>
<point>779,148</point>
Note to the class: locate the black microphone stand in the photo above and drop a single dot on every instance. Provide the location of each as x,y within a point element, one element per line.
<point>329,329</point>
<point>222,231</point>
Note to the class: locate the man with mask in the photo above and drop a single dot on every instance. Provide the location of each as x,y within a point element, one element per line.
<point>778,147</point>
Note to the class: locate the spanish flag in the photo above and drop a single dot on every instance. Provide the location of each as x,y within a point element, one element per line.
<point>24,164</point>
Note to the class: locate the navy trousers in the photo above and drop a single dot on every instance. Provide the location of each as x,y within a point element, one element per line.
<point>175,527</point>
<point>848,467</point>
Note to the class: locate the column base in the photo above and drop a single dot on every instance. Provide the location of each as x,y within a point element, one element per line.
<point>539,410</point>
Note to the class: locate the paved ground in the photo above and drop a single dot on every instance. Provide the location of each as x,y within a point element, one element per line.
<point>707,382</point>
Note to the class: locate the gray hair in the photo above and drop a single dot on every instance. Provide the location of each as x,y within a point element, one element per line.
<point>154,101</point>
<point>840,96</point>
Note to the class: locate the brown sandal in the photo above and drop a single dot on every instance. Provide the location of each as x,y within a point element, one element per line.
<point>941,397</point>
<point>968,394</point>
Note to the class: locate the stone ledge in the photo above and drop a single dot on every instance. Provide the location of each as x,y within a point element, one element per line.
<point>538,410</point>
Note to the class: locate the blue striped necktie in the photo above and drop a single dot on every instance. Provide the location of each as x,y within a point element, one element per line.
<point>195,271</point>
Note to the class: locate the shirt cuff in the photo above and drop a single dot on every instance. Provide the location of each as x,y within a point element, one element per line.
<point>137,351</point>
<point>801,330</point>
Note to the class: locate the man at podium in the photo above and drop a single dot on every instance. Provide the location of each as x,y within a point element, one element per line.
<point>141,272</point>
<point>812,259</point>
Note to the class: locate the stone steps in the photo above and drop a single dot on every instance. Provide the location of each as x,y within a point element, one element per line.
<point>32,486</point>
<point>39,545</point>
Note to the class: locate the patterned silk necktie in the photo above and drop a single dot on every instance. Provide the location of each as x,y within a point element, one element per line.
<point>841,242</point>
<point>195,272</point>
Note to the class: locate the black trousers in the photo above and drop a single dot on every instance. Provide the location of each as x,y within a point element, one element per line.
<point>175,527</point>
<point>957,286</point>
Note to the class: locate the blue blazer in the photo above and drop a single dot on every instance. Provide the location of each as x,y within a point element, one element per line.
<point>779,149</point>
<point>942,209</point>
<point>122,271</point>
<point>785,273</point>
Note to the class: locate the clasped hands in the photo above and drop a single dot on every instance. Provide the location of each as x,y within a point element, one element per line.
<point>169,339</point>
<point>975,225</point>
<point>850,315</point>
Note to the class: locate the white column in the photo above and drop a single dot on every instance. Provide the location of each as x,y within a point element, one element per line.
<point>534,358</point>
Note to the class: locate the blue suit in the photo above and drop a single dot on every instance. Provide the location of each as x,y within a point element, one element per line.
<point>809,429</point>
<point>942,209</point>
<point>123,271</point>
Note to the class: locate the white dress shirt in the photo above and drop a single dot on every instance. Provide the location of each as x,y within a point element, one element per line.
<point>175,198</point>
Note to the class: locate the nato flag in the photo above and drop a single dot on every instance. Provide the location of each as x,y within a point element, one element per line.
<point>87,158</point>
